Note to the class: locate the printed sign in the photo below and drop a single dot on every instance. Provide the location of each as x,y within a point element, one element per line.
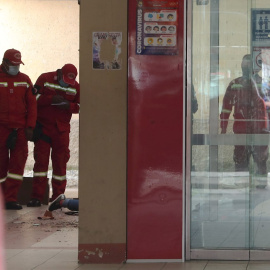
<point>261,26</point>
<point>157,23</point>
<point>257,59</point>
<point>106,50</point>
<point>260,29</point>
<point>261,62</point>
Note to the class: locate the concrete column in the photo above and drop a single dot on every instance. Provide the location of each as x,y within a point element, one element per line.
<point>103,125</point>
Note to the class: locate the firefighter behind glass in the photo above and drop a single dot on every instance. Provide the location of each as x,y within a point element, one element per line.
<point>245,95</point>
<point>18,112</point>
<point>58,97</point>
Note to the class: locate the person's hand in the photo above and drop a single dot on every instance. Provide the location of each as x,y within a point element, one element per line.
<point>64,105</point>
<point>57,99</point>
<point>28,133</point>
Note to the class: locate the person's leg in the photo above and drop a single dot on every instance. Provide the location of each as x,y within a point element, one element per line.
<point>18,157</point>
<point>40,180</point>
<point>260,155</point>
<point>57,203</point>
<point>61,201</point>
<point>60,157</point>
<point>241,158</point>
<point>4,156</point>
<point>71,204</point>
<point>2,234</point>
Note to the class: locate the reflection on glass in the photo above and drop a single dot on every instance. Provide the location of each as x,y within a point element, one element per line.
<point>245,98</point>
<point>229,202</point>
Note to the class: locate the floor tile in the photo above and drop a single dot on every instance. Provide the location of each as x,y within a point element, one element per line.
<point>9,253</point>
<point>63,238</point>
<point>225,265</point>
<point>68,255</point>
<point>189,265</point>
<point>11,215</point>
<point>30,258</point>
<point>101,267</point>
<point>27,230</point>
<point>258,265</point>
<point>144,266</point>
<point>58,265</point>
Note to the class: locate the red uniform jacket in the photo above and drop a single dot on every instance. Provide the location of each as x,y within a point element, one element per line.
<point>249,108</point>
<point>51,115</point>
<point>18,107</point>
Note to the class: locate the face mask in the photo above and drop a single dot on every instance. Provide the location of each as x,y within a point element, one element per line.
<point>62,83</point>
<point>13,70</point>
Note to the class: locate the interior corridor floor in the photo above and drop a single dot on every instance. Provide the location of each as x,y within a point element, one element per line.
<point>37,244</point>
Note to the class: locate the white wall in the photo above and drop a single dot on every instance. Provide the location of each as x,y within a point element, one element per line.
<point>47,34</point>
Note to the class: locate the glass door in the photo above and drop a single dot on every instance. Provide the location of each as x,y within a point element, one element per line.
<point>228,97</point>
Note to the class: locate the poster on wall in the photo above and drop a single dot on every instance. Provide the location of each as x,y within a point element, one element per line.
<point>157,24</point>
<point>106,50</point>
<point>260,37</point>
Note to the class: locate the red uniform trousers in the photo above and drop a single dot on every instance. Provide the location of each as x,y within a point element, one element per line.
<point>60,154</point>
<point>242,153</point>
<point>12,163</point>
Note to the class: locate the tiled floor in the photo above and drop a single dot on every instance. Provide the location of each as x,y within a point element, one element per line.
<point>37,244</point>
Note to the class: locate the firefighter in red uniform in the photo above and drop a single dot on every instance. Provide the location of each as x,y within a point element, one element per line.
<point>250,117</point>
<point>58,97</point>
<point>18,113</point>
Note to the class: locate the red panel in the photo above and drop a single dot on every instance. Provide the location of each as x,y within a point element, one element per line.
<point>155,150</point>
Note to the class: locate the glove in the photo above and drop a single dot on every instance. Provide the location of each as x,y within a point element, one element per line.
<point>28,133</point>
<point>57,99</point>
<point>11,140</point>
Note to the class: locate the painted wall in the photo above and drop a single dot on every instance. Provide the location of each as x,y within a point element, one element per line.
<point>103,127</point>
<point>47,34</point>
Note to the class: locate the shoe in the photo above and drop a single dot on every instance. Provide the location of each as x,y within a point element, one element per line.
<point>261,186</point>
<point>56,203</point>
<point>260,182</point>
<point>13,206</point>
<point>34,203</point>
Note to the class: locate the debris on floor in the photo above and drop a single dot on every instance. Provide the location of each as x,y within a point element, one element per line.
<point>47,215</point>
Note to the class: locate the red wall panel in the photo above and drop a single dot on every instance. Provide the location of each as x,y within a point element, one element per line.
<point>155,149</point>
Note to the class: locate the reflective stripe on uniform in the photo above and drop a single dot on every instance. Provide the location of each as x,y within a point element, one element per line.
<point>15,176</point>
<point>21,84</point>
<point>40,174</point>
<point>3,179</point>
<point>37,97</point>
<point>58,87</point>
<point>3,84</point>
<point>226,111</point>
<point>235,86</point>
<point>60,178</point>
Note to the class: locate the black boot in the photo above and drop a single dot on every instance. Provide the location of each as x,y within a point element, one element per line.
<point>13,206</point>
<point>34,203</point>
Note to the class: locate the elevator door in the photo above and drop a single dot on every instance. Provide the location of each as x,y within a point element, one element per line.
<point>228,206</point>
